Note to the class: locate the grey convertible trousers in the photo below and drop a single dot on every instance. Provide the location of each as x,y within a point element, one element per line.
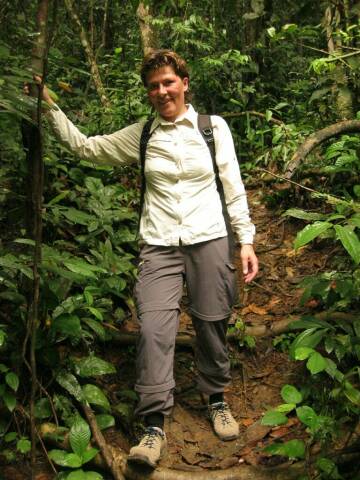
<point>210,276</point>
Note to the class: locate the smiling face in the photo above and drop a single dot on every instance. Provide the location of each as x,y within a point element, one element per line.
<point>166,92</point>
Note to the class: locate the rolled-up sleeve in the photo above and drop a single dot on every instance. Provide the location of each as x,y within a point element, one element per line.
<point>118,148</point>
<point>229,172</point>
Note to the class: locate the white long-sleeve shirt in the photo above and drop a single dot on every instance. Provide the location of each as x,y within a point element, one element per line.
<point>181,199</point>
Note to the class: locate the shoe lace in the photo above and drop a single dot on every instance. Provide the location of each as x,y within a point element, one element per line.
<point>223,411</point>
<point>150,438</point>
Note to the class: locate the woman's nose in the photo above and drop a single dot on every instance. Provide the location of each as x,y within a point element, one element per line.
<point>162,89</point>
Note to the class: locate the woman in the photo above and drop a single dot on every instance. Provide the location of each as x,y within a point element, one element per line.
<point>183,237</point>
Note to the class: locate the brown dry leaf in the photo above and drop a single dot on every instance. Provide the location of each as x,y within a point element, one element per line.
<point>279,432</point>
<point>290,272</point>
<point>273,301</point>
<point>296,253</point>
<point>247,422</point>
<point>252,308</point>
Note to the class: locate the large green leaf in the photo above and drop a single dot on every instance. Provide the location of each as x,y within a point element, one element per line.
<point>79,436</point>
<point>95,396</point>
<point>83,268</point>
<point>316,363</point>
<point>307,234</point>
<point>96,327</point>
<point>69,382</point>
<point>105,421</point>
<point>92,366</point>
<point>65,459</point>
<point>303,215</point>
<point>308,338</point>
<point>67,324</point>
<point>78,216</point>
<point>23,445</point>
<point>273,418</point>
<point>350,241</point>
<point>290,394</point>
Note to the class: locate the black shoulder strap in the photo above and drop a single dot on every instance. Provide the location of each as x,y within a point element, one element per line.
<point>144,139</point>
<point>206,130</point>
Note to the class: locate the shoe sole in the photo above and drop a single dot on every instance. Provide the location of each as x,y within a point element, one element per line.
<point>141,460</point>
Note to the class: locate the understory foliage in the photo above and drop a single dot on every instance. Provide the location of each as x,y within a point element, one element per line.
<point>267,68</point>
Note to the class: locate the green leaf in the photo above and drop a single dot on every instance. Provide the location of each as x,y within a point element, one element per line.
<point>77,216</point>
<point>12,380</point>
<point>290,394</point>
<point>64,459</point>
<point>83,268</point>
<point>302,353</point>
<point>92,366</point>
<point>79,436</point>
<point>292,449</point>
<point>9,400</point>
<point>308,338</point>
<point>105,421</point>
<point>273,417</point>
<point>329,467</point>
<point>95,396</point>
<point>97,314</point>
<point>2,337</point>
<point>316,363</point>
<point>81,475</point>
<point>285,407</point>
<point>307,234</point>
<point>69,382</point>
<point>268,115</point>
<point>303,215</point>
<point>68,325</point>
<point>88,297</point>
<point>352,394</point>
<point>23,445</point>
<point>95,327</point>
<point>307,416</point>
<point>350,241</point>
<point>10,437</point>
<point>89,455</point>
<point>43,408</point>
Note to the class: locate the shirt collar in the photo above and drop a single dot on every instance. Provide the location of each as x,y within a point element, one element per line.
<point>189,116</point>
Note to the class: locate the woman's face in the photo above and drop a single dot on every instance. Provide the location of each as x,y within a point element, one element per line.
<point>166,92</point>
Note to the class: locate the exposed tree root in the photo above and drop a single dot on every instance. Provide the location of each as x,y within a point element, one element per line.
<point>275,328</point>
<point>316,139</point>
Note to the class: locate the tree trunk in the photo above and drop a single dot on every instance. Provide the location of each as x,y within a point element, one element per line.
<point>340,89</point>
<point>89,54</point>
<point>148,37</point>
<point>32,139</point>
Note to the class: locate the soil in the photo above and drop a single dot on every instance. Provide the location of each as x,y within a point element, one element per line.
<point>258,372</point>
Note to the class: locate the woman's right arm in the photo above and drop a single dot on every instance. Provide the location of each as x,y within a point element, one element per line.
<point>119,148</point>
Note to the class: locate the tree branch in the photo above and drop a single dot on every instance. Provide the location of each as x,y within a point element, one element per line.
<point>348,126</point>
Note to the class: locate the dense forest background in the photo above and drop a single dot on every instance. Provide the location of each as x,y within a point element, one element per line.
<point>281,72</point>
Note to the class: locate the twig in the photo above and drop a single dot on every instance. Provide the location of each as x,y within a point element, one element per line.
<point>337,199</point>
<point>251,112</point>
<point>100,440</point>
<point>25,414</point>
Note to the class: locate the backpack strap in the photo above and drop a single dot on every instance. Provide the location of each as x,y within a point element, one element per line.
<point>144,140</point>
<point>206,130</point>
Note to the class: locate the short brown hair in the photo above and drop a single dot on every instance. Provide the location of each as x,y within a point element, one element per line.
<point>163,58</point>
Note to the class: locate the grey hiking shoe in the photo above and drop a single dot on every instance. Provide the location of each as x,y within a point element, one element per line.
<point>150,449</point>
<point>224,424</point>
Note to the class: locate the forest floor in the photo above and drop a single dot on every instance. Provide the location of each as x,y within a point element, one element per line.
<point>258,372</point>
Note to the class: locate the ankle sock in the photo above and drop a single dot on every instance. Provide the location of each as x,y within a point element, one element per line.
<point>155,419</point>
<point>216,398</point>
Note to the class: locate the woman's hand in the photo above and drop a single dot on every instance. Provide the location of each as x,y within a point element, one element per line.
<point>250,265</point>
<point>45,92</point>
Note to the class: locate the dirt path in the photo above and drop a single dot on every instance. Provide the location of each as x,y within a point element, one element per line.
<point>258,373</point>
